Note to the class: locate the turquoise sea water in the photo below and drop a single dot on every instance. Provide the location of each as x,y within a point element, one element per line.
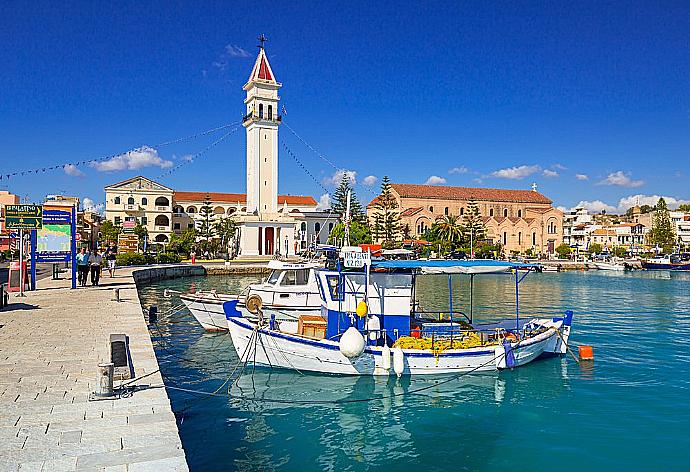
<point>627,410</point>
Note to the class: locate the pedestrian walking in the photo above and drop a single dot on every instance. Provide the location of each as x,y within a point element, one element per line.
<point>192,255</point>
<point>95,262</point>
<point>111,257</point>
<point>83,266</point>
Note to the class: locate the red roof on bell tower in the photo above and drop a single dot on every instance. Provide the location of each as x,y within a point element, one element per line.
<point>262,69</point>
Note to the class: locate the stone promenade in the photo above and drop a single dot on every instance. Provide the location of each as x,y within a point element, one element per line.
<point>50,345</point>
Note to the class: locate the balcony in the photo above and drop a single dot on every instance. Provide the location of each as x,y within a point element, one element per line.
<point>134,207</point>
<point>178,215</point>
<point>162,228</point>
<point>162,208</point>
<point>255,117</point>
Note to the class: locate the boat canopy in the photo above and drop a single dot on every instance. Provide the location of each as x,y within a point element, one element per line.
<point>484,266</point>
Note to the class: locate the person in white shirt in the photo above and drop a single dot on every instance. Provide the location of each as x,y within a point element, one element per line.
<point>95,262</point>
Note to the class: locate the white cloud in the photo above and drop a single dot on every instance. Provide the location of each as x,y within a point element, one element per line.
<point>324,202</point>
<point>339,175</point>
<point>235,51</point>
<point>581,176</point>
<point>435,180</point>
<point>651,200</point>
<point>370,180</point>
<point>549,173</point>
<point>630,201</point>
<point>458,170</point>
<point>187,158</point>
<point>559,167</point>
<point>71,169</point>
<point>621,179</point>
<point>144,156</point>
<point>230,52</point>
<point>517,172</point>
<point>89,205</point>
<point>596,206</point>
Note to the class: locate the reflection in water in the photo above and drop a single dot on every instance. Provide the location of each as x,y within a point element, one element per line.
<point>637,323</point>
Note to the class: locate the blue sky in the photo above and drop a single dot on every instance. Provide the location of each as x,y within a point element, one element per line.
<point>589,100</point>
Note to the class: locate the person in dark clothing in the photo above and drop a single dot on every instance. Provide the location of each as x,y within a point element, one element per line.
<point>95,262</point>
<point>83,266</point>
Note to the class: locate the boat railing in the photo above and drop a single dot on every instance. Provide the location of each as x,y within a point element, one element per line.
<point>447,339</point>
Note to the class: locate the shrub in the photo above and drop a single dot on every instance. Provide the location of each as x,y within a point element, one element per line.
<point>131,258</point>
<point>168,258</point>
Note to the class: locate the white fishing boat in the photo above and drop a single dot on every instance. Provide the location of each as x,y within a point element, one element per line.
<point>290,288</point>
<point>611,264</point>
<point>369,326</point>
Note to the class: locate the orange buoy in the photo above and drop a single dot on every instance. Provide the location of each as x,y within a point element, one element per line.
<point>416,333</point>
<point>586,353</point>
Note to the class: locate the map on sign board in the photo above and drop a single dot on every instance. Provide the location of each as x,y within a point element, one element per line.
<point>54,240</point>
<point>356,259</point>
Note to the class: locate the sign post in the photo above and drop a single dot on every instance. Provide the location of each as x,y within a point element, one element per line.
<point>73,246</point>
<point>33,259</point>
<point>23,217</point>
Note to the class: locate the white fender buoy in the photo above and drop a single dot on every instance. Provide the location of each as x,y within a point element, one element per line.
<point>398,361</point>
<point>373,325</point>
<point>386,357</point>
<point>351,343</point>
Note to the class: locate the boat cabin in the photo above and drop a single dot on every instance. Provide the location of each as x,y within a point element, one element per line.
<point>289,284</point>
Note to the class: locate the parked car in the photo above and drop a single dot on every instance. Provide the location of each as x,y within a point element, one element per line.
<point>457,255</point>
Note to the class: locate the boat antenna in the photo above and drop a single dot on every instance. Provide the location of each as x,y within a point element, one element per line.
<point>346,241</point>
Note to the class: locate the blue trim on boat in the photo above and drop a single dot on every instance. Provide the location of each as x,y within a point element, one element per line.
<point>417,264</point>
<point>368,350</point>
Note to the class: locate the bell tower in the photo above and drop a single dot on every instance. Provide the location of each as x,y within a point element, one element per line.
<point>261,122</point>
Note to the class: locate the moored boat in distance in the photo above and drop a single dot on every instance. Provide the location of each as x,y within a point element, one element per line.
<point>670,262</point>
<point>289,288</point>
<point>369,326</point>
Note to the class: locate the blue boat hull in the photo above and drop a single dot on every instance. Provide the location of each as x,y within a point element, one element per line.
<point>655,266</point>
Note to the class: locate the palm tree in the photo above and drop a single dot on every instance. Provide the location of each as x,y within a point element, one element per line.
<point>448,229</point>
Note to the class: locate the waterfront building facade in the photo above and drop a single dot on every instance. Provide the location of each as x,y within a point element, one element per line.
<point>519,220</point>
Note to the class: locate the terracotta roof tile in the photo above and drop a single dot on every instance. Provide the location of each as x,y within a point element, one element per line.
<point>467,193</point>
<point>217,197</point>
<point>411,211</point>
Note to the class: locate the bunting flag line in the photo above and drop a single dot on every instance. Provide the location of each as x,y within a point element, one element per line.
<point>9,175</point>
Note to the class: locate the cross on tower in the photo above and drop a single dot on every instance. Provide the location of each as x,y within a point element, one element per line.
<point>262,39</point>
<point>534,186</point>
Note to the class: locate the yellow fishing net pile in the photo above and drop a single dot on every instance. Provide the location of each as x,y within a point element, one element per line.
<point>468,341</point>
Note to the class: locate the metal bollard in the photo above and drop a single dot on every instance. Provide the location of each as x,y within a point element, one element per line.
<point>116,294</point>
<point>2,296</point>
<point>153,314</point>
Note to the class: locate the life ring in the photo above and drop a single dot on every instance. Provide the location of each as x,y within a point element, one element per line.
<point>511,337</point>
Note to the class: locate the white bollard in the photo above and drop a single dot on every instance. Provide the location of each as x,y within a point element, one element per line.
<point>105,379</point>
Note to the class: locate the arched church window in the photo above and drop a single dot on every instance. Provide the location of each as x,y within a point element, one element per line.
<point>431,209</point>
<point>261,110</point>
<point>462,211</point>
<point>270,112</point>
<point>445,211</point>
<point>491,212</point>
<point>505,212</point>
<point>519,213</point>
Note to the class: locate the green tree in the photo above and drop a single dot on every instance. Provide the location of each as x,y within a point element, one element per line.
<point>225,228</point>
<point>661,234</point>
<point>142,232</point>
<point>563,250</point>
<point>206,219</point>
<point>359,233</point>
<point>685,207</point>
<point>339,200</point>
<point>109,231</point>
<point>183,243</point>
<point>595,248</point>
<point>406,232</point>
<point>646,209</point>
<point>473,223</point>
<point>386,216</point>
<point>619,251</point>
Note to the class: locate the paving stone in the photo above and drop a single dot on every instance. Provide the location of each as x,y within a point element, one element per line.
<point>48,367</point>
